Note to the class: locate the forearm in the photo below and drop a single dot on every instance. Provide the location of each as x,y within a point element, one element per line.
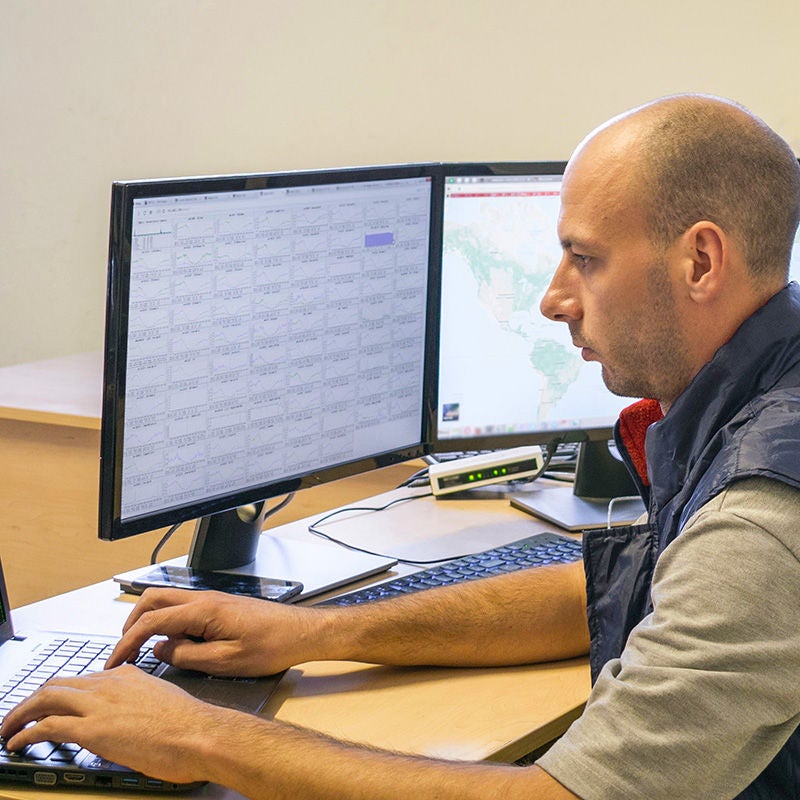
<point>525,617</point>
<point>528,616</point>
<point>284,762</point>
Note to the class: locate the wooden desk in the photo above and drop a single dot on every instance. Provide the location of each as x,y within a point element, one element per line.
<point>496,714</point>
<point>49,478</point>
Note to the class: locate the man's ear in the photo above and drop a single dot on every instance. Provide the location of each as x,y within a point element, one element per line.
<point>704,253</point>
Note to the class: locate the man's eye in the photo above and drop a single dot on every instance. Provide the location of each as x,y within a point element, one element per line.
<point>581,260</point>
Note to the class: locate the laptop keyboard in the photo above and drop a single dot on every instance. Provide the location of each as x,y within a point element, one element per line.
<point>65,657</point>
<point>533,551</point>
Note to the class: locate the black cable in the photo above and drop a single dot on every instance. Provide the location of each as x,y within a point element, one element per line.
<point>283,503</point>
<point>162,541</point>
<point>411,562</point>
<point>419,478</point>
<point>312,528</point>
<point>171,531</point>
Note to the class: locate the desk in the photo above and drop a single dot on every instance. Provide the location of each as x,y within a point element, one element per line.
<point>493,714</point>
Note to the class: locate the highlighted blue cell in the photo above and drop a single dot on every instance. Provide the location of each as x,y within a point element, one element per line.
<point>379,239</point>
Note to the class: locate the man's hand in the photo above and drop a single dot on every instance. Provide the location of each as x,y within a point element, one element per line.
<point>123,715</point>
<point>216,633</point>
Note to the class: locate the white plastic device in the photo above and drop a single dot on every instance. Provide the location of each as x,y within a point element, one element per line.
<point>481,470</point>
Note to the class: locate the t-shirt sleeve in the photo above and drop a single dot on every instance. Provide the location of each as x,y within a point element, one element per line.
<point>707,690</point>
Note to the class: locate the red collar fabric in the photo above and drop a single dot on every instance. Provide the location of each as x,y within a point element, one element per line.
<point>633,424</point>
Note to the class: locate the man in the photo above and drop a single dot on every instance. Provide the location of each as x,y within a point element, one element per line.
<point>677,223</point>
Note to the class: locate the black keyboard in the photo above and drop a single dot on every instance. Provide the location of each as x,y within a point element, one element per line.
<point>533,551</point>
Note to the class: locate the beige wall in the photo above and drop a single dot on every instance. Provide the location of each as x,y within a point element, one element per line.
<point>93,90</point>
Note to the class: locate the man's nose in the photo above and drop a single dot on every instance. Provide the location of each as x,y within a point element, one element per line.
<point>560,302</point>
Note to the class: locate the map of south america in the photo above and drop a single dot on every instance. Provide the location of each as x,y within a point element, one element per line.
<point>505,368</point>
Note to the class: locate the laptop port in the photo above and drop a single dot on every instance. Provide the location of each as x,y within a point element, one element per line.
<point>74,777</point>
<point>44,778</point>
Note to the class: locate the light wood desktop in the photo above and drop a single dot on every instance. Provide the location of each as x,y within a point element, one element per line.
<point>473,714</point>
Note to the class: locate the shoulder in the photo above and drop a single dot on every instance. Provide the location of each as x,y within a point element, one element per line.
<point>757,506</point>
<point>737,548</point>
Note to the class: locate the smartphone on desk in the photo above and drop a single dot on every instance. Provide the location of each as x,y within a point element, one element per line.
<point>274,589</point>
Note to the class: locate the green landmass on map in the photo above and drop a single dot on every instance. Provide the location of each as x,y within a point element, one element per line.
<point>507,285</point>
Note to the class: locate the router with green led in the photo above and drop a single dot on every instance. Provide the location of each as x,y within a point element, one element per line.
<point>485,469</point>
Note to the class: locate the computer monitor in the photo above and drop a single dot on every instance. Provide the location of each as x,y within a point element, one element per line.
<point>264,333</point>
<point>507,376</point>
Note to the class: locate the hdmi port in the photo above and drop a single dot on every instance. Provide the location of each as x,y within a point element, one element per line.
<point>74,777</point>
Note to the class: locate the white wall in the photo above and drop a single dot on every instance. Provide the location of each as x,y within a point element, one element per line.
<point>97,90</point>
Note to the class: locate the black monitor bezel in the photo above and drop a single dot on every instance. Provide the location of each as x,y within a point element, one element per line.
<point>497,441</point>
<point>123,193</point>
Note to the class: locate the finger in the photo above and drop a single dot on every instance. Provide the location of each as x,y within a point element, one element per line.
<point>153,599</point>
<point>190,654</point>
<point>179,622</point>
<point>58,696</point>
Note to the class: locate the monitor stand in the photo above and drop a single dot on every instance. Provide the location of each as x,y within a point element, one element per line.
<point>599,477</point>
<point>228,540</point>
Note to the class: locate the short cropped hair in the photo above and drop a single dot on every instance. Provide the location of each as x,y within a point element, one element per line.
<point>704,158</point>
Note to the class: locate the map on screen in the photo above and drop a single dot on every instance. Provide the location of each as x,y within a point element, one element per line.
<point>505,368</point>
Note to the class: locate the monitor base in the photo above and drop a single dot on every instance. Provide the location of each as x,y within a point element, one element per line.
<point>560,506</point>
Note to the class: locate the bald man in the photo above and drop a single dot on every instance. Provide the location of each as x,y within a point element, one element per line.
<point>676,225</point>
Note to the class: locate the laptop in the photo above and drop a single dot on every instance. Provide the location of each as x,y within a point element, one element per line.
<point>24,661</point>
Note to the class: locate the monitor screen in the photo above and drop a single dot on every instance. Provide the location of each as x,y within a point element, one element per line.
<point>507,375</point>
<point>264,333</point>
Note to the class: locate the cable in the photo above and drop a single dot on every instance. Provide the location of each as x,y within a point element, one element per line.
<point>419,478</point>
<point>615,500</point>
<point>283,503</point>
<point>170,531</point>
<point>411,562</point>
<point>162,541</point>
<point>411,481</point>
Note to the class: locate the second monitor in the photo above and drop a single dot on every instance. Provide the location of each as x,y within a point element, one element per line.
<point>507,376</point>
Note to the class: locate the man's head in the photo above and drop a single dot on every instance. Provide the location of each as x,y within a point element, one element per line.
<point>707,158</point>
<point>677,222</point>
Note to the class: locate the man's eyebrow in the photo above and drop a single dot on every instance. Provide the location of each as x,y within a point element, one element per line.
<point>570,243</point>
<point>578,243</point>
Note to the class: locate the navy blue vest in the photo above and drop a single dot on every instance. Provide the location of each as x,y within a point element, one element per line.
<point>739,418</point>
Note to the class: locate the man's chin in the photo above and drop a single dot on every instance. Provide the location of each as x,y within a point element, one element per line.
<point>615,385</point>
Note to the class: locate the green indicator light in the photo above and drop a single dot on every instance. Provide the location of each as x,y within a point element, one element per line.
<point>495,472</point>
<point>471,478</point>
<point>505,471</point>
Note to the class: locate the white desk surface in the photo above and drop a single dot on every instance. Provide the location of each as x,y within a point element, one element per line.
<point>492,714</point>
<point>65,391</point>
